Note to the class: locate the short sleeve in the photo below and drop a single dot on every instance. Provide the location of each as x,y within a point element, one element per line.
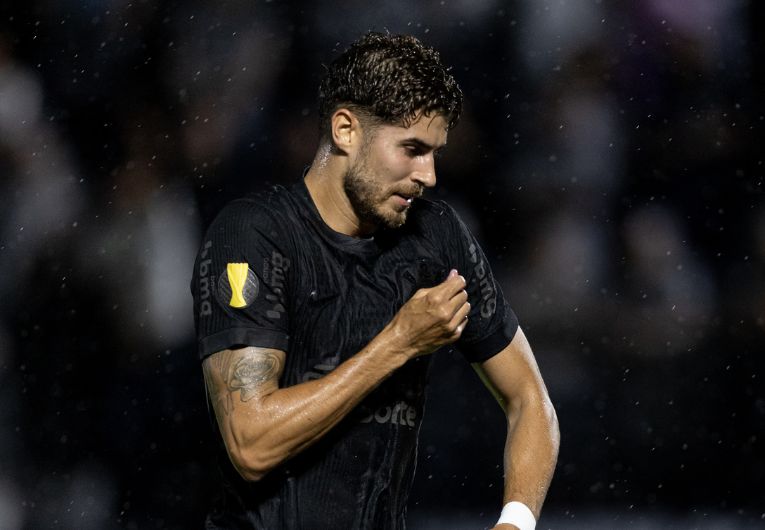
<point>492,324</point>
<point>240,281</point>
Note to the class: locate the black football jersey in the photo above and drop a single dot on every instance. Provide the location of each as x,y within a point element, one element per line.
<point>270,273</point>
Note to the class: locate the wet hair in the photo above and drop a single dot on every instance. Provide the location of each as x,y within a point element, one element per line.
<point>389,79</point>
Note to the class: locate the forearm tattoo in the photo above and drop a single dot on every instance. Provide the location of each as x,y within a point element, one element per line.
<point>245,373</point>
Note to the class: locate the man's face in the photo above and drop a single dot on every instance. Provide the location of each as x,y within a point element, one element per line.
<point>394,165</point>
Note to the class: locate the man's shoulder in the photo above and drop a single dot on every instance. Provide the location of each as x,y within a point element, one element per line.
<point>273,207</point>
<point>431,215</point>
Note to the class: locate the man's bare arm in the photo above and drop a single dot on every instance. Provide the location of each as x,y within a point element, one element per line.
<point>263,425</point>
<point>531,449</point>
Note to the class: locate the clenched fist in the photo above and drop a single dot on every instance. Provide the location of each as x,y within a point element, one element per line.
<point>431,318</point>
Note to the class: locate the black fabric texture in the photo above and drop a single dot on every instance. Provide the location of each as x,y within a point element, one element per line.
<point>321,297</point>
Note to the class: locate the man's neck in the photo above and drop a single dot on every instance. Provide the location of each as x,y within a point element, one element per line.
<point>324,181</point>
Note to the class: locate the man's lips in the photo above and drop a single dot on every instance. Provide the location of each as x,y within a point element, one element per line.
<point>405,197</point>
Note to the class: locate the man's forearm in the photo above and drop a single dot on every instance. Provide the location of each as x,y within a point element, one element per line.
<point>531,451</point>
<point>301,414</point>
<point>290,419</point>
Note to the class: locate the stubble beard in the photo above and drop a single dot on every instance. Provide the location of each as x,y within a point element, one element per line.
<point>367,197</point>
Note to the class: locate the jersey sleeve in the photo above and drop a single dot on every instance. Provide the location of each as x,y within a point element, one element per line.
<point>240,281</point>
<point>491,323</point>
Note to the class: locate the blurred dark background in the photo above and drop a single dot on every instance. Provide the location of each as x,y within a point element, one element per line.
<point>609,159</point>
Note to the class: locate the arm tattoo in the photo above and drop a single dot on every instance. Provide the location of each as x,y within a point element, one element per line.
<point>250,371</point>
<point>245,373</point>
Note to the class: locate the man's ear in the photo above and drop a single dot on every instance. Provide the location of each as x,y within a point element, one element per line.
<point>345,130</point>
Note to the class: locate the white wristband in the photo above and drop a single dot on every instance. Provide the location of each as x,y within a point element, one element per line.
<point>518,514</point>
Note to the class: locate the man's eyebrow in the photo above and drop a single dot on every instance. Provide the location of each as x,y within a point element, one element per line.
<point>422,144</point>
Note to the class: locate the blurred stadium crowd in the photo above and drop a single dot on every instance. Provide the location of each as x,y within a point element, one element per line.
<point>609,159</point>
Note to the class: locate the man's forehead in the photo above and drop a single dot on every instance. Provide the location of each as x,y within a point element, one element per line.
<point>431,128</point>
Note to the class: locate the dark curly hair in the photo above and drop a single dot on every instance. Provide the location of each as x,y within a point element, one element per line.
<point>389,79</point>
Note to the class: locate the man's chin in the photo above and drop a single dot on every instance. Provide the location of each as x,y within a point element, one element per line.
<point>394,219</point>
<point>386,217</point>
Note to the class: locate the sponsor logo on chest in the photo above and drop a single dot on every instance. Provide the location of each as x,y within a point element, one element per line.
<point>400,413</point>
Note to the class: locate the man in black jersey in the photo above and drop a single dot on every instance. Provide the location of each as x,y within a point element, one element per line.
<point>317,307</point>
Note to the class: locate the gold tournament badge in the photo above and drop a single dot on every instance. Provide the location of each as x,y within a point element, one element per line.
<point>239,286</point>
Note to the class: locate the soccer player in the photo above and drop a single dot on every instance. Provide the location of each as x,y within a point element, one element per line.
<point>318,305</point>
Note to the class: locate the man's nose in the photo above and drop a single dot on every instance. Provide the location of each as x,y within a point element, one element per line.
<point>425,172</point>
